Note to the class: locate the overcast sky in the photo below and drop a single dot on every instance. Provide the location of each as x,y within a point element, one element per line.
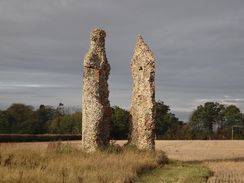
<point>198,46</point>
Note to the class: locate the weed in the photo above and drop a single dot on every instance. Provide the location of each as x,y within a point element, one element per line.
<point>20,176</point>
<point>113,148</point>
<point>80,179</point>
<point>66,163</point>
<point>61,148</point>
<point>64,174</point>
<point>8,161</point>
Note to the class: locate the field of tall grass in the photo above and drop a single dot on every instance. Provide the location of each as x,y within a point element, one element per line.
<point>225,158</point>
<point>66,163</point>
<point>226,171</point>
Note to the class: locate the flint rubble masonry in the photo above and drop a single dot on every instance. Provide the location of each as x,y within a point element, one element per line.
<point>96,112</point>
<point>142,110</point>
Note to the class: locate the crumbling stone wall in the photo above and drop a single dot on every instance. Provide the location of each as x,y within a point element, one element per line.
<point>142,111</point>
<point>96,113</point>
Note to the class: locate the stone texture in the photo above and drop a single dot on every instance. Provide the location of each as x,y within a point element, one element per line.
<point>142,111</point>
<point>96,112</point>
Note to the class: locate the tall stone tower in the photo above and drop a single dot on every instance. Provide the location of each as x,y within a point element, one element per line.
<point>96,112</point>
<point>142,111</point>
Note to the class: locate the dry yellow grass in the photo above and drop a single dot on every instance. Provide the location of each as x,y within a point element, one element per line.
<point>226,171</point>
<point>66,163</point>
<point>224,158</point>
<point>42,162</point>
<point>202,150</point>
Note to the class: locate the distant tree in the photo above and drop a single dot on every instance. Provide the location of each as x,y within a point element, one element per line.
<point>42,116</point>
<point>71,124</point>
<point>205,119</point>
<point>5,122</point>
<point>18,114</point>
<point>167,125</point>
<point>213,120</point>
<point>186,133</point>
<point>28,126</point>
<point>162,125</point>
<point>45,113</point>
<point>53,125</point>
<point>66,124</point>
<point>119,128</point>
<point>232,117</point>
<point>21,118</point>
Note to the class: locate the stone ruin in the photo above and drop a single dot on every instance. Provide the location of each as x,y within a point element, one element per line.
<point>96,112</point>
<point>142,110</point>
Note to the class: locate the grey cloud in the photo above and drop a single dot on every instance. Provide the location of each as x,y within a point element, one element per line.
<point>198,47</point>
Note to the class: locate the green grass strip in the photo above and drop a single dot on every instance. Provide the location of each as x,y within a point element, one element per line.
<point>176,171</point>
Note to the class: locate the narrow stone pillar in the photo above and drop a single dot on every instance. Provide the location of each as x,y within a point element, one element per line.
<point>96,112</point>
<point>142,110</point>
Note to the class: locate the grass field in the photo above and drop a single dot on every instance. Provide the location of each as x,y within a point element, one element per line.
<point>224,158</point>
<point>201,150</point>
<point>58,162</point>
<point>65,163</point>
<point>176,172</point>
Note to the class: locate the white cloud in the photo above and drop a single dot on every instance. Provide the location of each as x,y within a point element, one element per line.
<point>227,100</point>
<point>16,85</point>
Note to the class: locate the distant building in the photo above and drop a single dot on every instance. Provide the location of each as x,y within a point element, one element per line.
<point>61,109</point>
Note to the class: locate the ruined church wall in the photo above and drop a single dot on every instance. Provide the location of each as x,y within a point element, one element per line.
<point>95,103</point>
<point>142,110</point>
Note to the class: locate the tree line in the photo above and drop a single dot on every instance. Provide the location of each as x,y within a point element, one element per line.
<point>23,119</point>
<point>216,121</point>
<point>209,121</point>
